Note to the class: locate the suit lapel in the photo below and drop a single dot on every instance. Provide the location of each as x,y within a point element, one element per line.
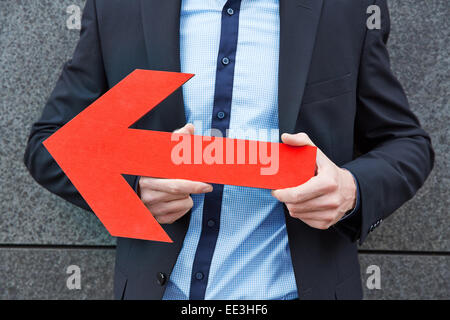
<point>299,20</point>
<point>161,24</point>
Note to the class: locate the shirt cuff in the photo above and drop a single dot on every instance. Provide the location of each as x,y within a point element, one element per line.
<point>358,201</point>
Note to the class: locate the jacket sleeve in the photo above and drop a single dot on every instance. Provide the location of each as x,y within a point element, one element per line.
<point>396,153</point>
<point>82,81</point>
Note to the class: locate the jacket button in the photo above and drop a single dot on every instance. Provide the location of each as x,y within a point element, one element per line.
<point>161,278</point>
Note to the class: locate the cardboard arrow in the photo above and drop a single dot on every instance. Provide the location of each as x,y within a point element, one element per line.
<point>97,147</point>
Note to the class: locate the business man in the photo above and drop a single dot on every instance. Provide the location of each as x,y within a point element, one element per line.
<point>308,68</point>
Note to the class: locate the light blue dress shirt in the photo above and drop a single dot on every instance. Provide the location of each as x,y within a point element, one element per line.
<point>252,257</point>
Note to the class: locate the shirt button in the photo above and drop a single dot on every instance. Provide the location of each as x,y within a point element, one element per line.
<point>199,276</point>
<point>211,223</point>
<point>221,115</point>
<point>225,61</point>
<point>230,11</point>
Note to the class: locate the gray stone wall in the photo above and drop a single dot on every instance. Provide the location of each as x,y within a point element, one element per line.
<point>41,235</point>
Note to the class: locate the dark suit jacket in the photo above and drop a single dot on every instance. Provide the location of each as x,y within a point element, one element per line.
<point>335,84</point>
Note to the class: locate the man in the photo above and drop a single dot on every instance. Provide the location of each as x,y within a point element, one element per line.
<point>309,68</point>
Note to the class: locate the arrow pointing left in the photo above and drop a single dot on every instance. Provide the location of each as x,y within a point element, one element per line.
<point>97,147</point>
<point>81,146</point>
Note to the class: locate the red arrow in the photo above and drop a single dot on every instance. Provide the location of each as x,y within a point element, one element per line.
<point>97,147</point>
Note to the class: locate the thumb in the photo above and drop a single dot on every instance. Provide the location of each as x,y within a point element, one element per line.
<point>301,140</point>
<point>187,129</point>
<point>297,140</point>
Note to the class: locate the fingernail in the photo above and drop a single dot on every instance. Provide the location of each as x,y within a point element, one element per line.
<point>208,188</point>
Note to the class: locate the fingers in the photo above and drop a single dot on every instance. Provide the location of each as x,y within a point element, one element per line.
<point>326,216</point>
<point>169,199</point>
<point>315,187</point>
<point>297,140</point>
<point>318,224</point>
<point>169,212</point>
<point>165,208</point>
<point>187,129</point>
<point>319,219</point>
<point>170,218</point>
<point>153,197</point>
<point>322,203</point>
<point>175,186</point>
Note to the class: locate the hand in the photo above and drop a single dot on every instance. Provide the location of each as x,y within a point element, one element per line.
<point>324,199</point>
<point>170,199</point>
